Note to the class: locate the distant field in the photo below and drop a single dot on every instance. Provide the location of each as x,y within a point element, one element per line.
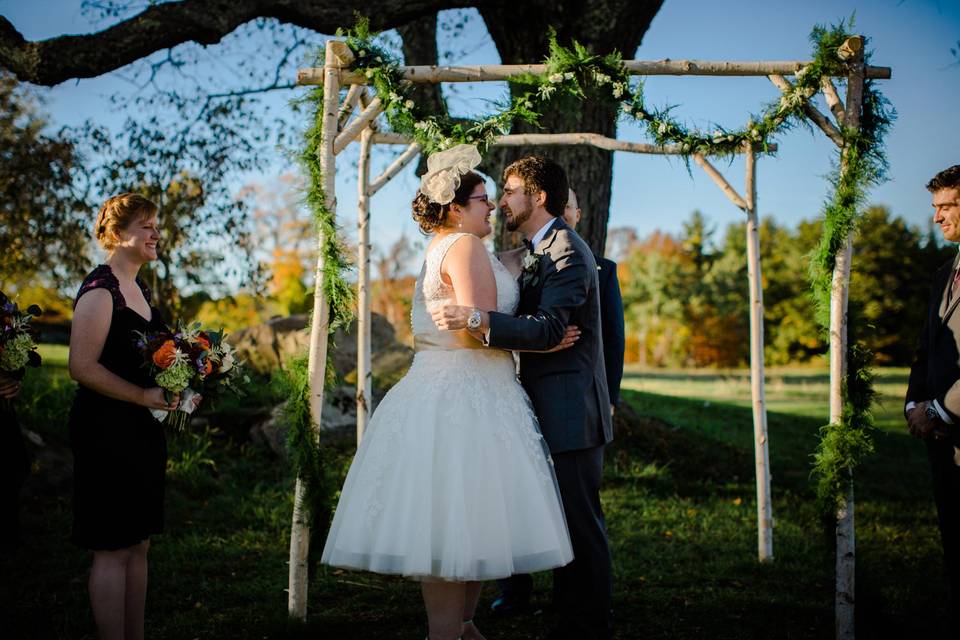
<point>797,390</point>
<point>54,354</point>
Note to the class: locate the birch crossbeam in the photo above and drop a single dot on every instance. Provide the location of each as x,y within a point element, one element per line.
<point>349,103</point>
<point>721,182</point>
<point>833,100</point>
<point>402,160</point>
<point>811,111</point>
<point>358,124</point>
<point>500,72</point>
<point>560,139</point>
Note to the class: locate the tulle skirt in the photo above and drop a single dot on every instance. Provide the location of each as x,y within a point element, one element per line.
<point>452,480</point>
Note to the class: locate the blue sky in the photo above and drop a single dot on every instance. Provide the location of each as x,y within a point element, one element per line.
<point>911,36</point>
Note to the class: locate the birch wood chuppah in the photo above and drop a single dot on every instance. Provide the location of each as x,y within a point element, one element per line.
<point>340,127</point>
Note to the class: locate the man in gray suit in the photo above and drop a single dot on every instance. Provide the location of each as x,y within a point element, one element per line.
<point>933,394</point>
<point>559,287</point>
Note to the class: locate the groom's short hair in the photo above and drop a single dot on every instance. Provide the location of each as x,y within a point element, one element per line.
<point>542,174</point>
<point>949,178</point>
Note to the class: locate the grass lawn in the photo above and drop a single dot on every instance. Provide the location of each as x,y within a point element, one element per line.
<point>679,496</point>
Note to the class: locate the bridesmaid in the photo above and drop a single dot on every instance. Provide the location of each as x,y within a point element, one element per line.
<point>119,449</point>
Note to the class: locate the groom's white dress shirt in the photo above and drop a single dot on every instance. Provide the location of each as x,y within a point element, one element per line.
<point>538,236</point>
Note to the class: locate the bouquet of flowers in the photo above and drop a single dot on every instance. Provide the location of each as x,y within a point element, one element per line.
<point>18,339</point>
<point>190,361</point>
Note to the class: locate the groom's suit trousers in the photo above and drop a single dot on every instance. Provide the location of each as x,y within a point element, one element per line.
<point>583,590</point>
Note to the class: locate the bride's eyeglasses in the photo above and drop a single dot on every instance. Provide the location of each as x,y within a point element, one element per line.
<point>483,197</point>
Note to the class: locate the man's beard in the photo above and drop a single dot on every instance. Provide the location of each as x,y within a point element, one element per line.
<point>519,217</point>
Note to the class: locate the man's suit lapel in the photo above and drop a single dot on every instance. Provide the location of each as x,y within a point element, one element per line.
<point>943,281</point>
<point>541,249</point>
<point>544,245</point>
<point>954,298</point>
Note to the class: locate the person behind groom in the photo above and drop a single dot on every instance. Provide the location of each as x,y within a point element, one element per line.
<point>611,309</point>
<point>932,405</point>
<point>559,286</point>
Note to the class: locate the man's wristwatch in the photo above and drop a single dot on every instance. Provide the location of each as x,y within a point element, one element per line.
<point>474,320</point>
<point>932,413</point>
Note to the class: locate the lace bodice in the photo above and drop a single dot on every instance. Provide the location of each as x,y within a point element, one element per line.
<point>431,292</point>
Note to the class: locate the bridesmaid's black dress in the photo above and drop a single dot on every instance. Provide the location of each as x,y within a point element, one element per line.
<point>14,469</point>
<point>119,449</point>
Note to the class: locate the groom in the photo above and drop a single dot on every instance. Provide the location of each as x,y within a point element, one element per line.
<point>559,287</point>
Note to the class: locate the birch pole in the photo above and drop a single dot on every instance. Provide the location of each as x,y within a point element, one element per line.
<point>839,294</point>
<point>364,373</point>
<point>761,451</point>
<point>500,72</point>
<point>316,368</point>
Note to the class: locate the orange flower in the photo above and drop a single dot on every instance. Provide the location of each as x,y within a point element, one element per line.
<point>165,355</point>
<point>204,342</point>
<point>207,367</point>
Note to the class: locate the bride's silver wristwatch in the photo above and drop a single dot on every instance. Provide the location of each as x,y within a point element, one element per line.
<point>474,320</point>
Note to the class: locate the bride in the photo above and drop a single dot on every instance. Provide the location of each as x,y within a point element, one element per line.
<point>452,483</point>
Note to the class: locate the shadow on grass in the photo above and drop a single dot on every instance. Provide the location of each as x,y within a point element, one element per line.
<point>679,498</point>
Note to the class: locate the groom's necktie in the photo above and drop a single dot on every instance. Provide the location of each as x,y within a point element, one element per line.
<point>528,245</point>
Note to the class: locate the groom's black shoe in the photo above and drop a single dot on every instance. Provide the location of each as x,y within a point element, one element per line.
<point>514,595</point>
<point>510,605</point>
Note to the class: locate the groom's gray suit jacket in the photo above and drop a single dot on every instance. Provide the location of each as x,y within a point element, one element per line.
<point>568,388</point>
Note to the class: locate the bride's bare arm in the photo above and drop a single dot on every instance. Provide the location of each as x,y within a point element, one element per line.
<point>467,266</point>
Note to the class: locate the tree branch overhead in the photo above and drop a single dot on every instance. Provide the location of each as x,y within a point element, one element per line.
<point>162,26</point>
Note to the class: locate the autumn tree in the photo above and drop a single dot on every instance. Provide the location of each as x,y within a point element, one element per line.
<point>889,288</point>
<point>284,244</point>
<point>391,290</point>
<point>45,225</point>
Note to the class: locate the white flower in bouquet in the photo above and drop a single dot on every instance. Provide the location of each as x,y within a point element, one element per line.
<point>227,359</point>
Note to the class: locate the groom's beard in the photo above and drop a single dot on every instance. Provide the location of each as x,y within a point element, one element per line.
<point>517,218</point>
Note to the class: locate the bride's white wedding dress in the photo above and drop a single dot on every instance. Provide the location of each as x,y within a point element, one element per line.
<point>452,479</point>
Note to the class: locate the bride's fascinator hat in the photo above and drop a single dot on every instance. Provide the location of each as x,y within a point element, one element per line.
<point>444,169</point>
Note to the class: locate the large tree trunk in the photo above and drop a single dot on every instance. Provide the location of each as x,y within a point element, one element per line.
<point>520,31</point>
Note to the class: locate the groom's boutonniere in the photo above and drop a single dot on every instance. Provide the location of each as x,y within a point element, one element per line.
<point>531,272</point>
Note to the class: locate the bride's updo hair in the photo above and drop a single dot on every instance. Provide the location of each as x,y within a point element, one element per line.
<point>432,216</point>
<point>118,213</point>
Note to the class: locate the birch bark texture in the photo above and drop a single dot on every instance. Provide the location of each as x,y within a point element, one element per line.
<point>845,532</point>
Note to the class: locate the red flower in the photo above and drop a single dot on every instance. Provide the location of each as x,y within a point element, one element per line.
<point>165,355</point>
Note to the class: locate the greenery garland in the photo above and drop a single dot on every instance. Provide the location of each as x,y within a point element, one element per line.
<point>302,442</point>
<point>578,74</point>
